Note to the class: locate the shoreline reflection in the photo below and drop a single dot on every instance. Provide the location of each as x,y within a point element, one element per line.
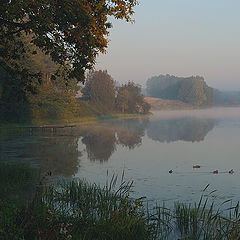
<point>184,129</point>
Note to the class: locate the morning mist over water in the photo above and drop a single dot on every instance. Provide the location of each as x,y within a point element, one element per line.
<point>209,113</point>
<point>119,120</point>
<point>178,141</point>
<point>145,149</point>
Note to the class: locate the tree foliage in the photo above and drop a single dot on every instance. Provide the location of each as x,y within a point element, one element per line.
<point>32,86</point>
<point>45,48</point>
<point>163,86</point>
<point>99,89</point>
<point>193,90</point>
<point>130,100</point>
<point>73,31</point>
<point>20,77</point>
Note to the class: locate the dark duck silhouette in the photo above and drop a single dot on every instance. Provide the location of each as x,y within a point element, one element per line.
<point>196,166</point>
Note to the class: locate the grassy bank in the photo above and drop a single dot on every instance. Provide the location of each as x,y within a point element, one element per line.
<point>17,182</point>
<point>79,112</point>
<point>79,210</point>
<point>72,121</point>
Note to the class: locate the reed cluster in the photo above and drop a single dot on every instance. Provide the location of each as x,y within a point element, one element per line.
<point>79,210</point>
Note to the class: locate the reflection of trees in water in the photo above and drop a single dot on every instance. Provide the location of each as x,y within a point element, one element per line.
<point>101,140</point>
<point>100,143</point>
<point>186,129</point>
<point>58,151</point>
<point>55,152</point>
<point>58,154</point>
<point>131,131</point>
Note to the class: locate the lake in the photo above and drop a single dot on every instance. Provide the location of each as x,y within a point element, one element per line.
<point>144,150</point>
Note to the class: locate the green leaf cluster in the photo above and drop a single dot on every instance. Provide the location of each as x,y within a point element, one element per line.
<point>72,31</point>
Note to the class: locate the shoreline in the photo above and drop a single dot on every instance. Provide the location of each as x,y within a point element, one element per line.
<point>71,123</point>
<point>90,120</point>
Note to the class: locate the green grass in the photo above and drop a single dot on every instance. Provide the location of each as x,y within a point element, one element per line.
<point>202,222</point>
<point>98,213</point>
<point>17,182</point>
<point>76,209</point>
<point>17,186</point>
<point>85,112</point>
<point>73,121</point>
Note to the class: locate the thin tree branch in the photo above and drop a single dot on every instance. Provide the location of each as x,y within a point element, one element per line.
<point>2,36</point>
<point>15,24</point>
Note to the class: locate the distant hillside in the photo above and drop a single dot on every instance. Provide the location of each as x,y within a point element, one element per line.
<point>192,90</point>
<point>163,104</point>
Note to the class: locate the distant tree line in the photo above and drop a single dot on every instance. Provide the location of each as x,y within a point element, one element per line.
<point>226,98</point>
<point>193,90</point>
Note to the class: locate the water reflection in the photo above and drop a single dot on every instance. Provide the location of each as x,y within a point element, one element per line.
<point>140,147</point>
<point>59,152</point>
<point>101,140</point>
<point>131,131</point>
<point>185,129</point>
<point>100,143</point>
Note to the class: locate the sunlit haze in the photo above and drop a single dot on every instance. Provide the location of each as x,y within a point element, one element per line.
<point>182,38</point>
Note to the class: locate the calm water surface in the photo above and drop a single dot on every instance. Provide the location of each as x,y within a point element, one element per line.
<point>145,149</point>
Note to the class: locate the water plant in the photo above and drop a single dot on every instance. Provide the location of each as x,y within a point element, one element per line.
<point>204,222</point>
<point>76,209</point>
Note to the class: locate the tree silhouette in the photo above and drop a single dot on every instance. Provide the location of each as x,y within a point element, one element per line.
<point>100,90</point>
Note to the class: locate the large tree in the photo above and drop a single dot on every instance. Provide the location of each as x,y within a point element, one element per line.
<point>69,30</point>
<point>130,99</point>
<point>99,89</point>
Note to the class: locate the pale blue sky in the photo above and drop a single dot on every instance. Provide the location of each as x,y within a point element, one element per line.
<point>179,37</point>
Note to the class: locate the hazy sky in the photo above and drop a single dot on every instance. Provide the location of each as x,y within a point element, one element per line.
<point>179,37</point>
